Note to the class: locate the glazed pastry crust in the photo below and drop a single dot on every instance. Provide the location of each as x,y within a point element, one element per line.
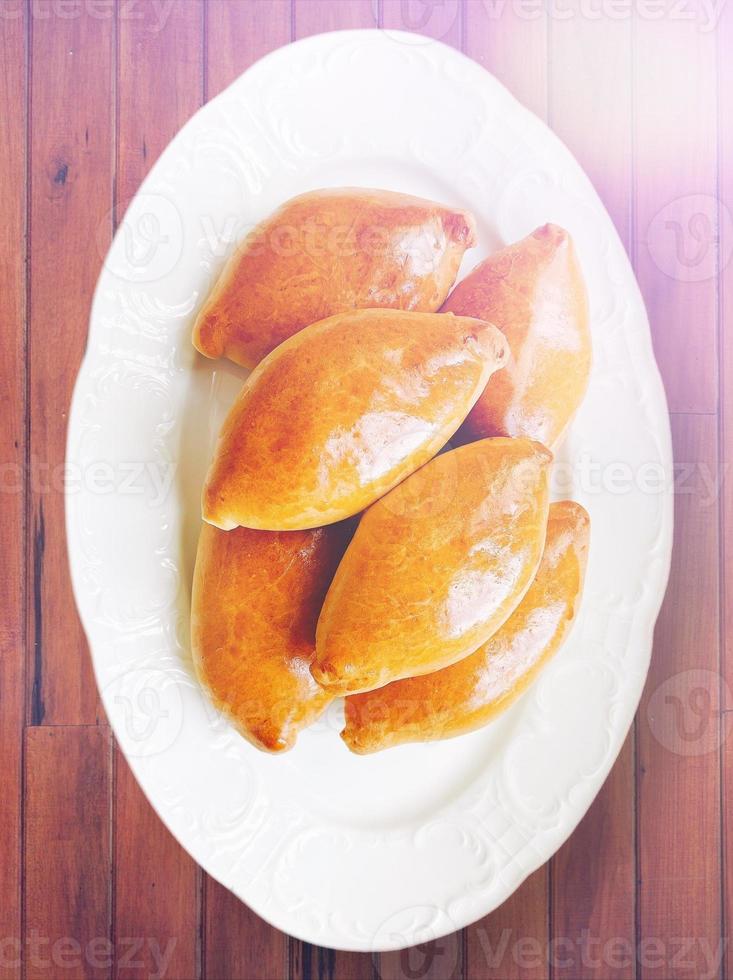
<point>344,410</point>
<point>326,252</point>
<point>534,292</point>
<point>256,599</point>
<point>436,566</point>
<point>471,693</point>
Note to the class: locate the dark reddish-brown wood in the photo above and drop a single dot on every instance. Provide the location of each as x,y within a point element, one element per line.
<point>67,853</point>
<point>678,803</point>
<point>71,146</point>
<point>12,454</point>
<point>237,943</point>
<point>511,943</point>
<point>593,885</point>
<point>156,889</point>
<point>156,884</point>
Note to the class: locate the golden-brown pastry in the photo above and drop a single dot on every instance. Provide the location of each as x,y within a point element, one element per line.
<point>472,692</point>
<point>436,566</point>
<point>256,599</point>
<point>342,411</point>
<point>535,293</point>
<point>326,252</point>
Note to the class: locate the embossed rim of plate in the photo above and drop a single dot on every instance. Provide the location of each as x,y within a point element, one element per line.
<point>264,848</point>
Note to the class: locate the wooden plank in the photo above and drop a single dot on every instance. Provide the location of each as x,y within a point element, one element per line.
<point>160,85</point>
<point>12,453</point>
<point>511,943</point>
<point>593,877</point>
<point>236,943</point>
<point>315,17</point>
<point>67,853</point>
<point>505,944</point>
<point>156,904</point>
<point>675,201</point>
<point>238,33</point>
<point>678,734</point>
<point>512,44</point>
<point>157,885</point>
<point>590,80</point>
<point>70,225</point>
<point>594,885</point>
<point>442,21</point>
<point>725,183</point>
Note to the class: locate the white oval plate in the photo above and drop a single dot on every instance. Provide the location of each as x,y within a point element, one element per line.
<point>378,852</point>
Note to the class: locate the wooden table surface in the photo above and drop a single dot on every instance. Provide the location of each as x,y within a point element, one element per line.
<point>90,93</point>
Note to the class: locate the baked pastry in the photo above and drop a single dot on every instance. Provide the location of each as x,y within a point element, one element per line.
<point>343,411</point>
<point>326,252</point>
<point>256,599</point>
<point>471,693</point>
<point>535,293</point>
<point>436,566</point>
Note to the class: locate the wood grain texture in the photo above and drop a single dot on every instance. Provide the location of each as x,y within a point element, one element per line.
<point>594,884</point>
<point>67,853</point>
<point>512,47</point>
<point>238,33</point>
<point>237,944</point>
<point>678,747</point>
<point>725,443</point>
<point>156,889</point>
<point>593,876</point>
<point>163,91</point>
<point>512,942</point>
<point>675,201</point>
<point>71,146</point>
<point>156,884</point>
<point>12,484</point>
<point>311,17</point>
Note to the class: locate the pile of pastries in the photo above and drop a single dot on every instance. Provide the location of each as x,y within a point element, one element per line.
<point>377,521</point>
